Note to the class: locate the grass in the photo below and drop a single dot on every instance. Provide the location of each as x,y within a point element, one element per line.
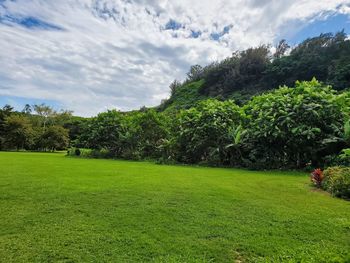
<point>61,209</point>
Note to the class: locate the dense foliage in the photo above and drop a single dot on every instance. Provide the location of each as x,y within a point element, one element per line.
<point>41,130</point>
<point>250,72</point>
<point>133,135</point>
<point>337,181</point>
<point>298,127</point>
<point>203,132</point>
<point>291,127</point>
<point>326,57</point>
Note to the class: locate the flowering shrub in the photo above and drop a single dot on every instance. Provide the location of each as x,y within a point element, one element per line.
<point>337,181</point>
<point>317,177</point>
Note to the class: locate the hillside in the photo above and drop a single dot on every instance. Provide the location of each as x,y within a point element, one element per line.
<point>255,70</point>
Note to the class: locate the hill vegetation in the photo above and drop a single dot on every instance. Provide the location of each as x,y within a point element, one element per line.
<point>255,70</point>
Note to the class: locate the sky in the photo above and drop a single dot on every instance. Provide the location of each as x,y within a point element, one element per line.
<point>92,55</point>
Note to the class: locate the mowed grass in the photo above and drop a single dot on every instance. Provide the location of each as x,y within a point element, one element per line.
<point>60,209</point>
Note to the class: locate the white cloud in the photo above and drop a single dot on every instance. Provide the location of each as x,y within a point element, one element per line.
<point>116,53</point>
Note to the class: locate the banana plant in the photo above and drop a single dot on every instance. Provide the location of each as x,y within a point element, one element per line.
<point>347,132</point>
<point>233,148</point>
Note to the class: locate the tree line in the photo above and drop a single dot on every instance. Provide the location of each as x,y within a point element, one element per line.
<point>36,127</point>
<point>290,127</point>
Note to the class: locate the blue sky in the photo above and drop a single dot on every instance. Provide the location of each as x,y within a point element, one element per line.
<point>92,55</point>
<point>333,23</point>
<point>19,102</point>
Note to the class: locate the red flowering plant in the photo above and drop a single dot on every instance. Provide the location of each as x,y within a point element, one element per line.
<point>317,177</point>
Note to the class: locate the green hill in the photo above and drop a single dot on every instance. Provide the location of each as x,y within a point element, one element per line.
<point>184,97</point>
<point>255,70</point>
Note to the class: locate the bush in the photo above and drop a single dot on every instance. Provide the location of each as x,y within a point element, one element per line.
<point>337,181</point>
<point>77,152</point>
<point>102,153</point>
<point>202,132</point>
<point>81,152</point>
<point>342,159</point>
<point>291,127</point>
<point>317,177</point>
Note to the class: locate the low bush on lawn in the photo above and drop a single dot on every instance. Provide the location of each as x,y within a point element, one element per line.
<point>337,181</point>
<point>81,152</point>
<point>317,177</point>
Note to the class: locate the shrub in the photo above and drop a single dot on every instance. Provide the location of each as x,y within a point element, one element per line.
<point>81,152</point>
<point>342,159</point>
<point>337,181</point>
<point>102,153</point>
<point>317,177</point>
<point>291,127</point>
<point>77,152</point>
<point>202,132</point>
<point>71,152</point>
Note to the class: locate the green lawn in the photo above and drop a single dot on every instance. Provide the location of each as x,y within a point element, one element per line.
<point>60,209</point>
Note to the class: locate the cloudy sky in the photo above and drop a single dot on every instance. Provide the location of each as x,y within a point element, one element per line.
<point>93,55</point>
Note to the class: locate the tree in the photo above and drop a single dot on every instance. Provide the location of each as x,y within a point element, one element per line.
<point>281,49</point>
<point>195,73</point>
<point>202,132</point>
<point>243,71</point>
<point>45,112</point>
<point>347,132</point>
<point>55,137</point>
<point>27,109</point>
<point>5,112</point>
<point>150,130</point>
<point>62,117</point>
<point>105,131</point>
<point>291,127</point>
<point>174,86</point>
<point>326,57</point>
<point>19,132</point>
<point>75,126</point>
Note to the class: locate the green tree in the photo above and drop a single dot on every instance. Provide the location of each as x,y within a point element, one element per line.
<point>62,117</point>
<point>27,109</point>
<point>151,128</point>
<point>18,132</point>
<point>281,49</point>
<point>5,112</point>
<point>55,137</point>
<point>291,127</point>
<point>195,73</point>
<point>105,131</point>
<point>326,57</point>
<point>174,86</point>
<point>202,132</point>
<point>45,112</point>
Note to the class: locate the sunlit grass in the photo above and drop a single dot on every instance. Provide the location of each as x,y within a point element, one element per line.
<point>57,208</point>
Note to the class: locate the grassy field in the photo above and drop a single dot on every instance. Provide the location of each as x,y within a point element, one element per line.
<point>60,209</point>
